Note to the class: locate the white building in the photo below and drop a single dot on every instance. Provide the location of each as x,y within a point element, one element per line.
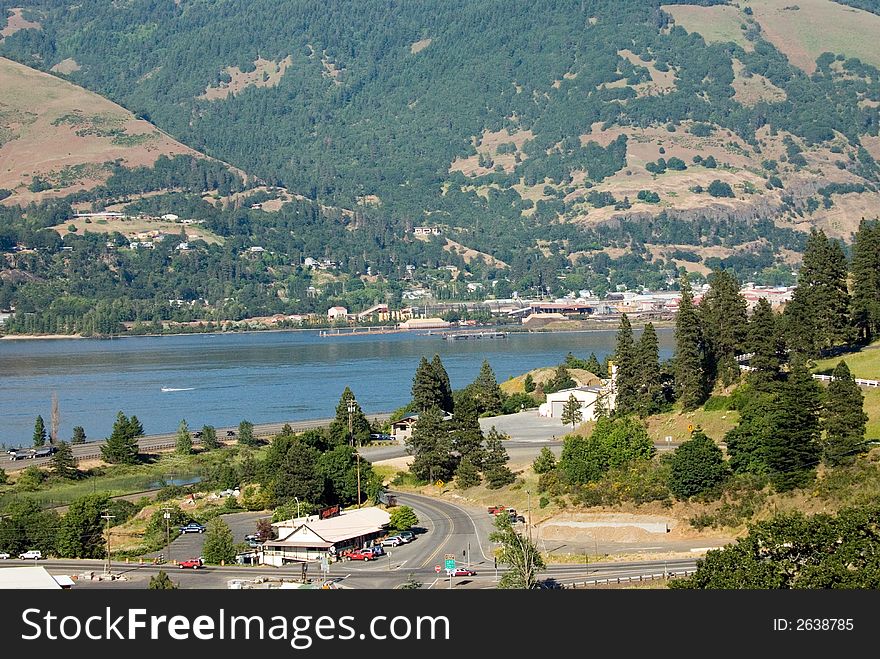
<point>171,217</point>
<point>313,538</point>
<point>337,312</point>
<point>586,396</point>
<point>29,578</point>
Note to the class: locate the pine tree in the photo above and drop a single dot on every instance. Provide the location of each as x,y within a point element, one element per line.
<point>866,281</point>
<point>571,412</point>
<point>430,445</point>
<point>184,439</point>
<point>793,449</point>
<point>560,380</point>
<point>446,402</point>
<point>467,475</point>
<point>465,432</point>
<point>209,438</point>
<point>696,466</point>
<point>545,461</point>
<point>63,463</point>
<point>495,467</point>
<point>594,367</point>
<point>79,435</point>
<point>529,383</point>
<point>817,316</point>
<point>161,581</point>
<point>219,542</point>
<point>486,392</point>
<point>844,419</point>
<point>627,383</point>
<point>360,425</point>
<point>426,390</point>
<point>135,427</point>
<point>121,447</point>
<point>39,432</point>
<point>650,394</point>
<point>690,377</point>
<point>765,344</point>
<point>725,325</point>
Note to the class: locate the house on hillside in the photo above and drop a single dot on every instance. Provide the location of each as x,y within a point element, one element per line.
<point>337,313</point>
<point>402,429</point>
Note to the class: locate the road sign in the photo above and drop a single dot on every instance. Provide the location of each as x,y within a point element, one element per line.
<point>690,427</point>
<point>437,569</point>
<point>439,483</point>
<point>450,561</point>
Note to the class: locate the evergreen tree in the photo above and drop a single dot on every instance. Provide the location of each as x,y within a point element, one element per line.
<point>360,425</point>
<point>184,442</point>
<point>430,445</point>
<point>465,432</point>
<point>4,478</point>
<point>793,449</point>
<point>747,443</point>
<point>626,383</point>
<point>290,470</point>
<point>79,435</point>
<point>725,325</point>
<point>529,383</point>
<point>446,402</point>
<point>63,463</point>
<point>427,390</point>
<point>135,427</point>
<point>39,432</point>
<point>545,461</point>
<point>696,466</point>
<point>486,392</point>
<point>600,407</point>
<point>209,438</point>
<point>866,281</point>
<point>120,447</point>
<point>571,412</point>
<point>650,395</point>
<point>594,367</point>
<point>339,469</point>
<point>765,344</point>
<point>161,581</point>
<point>817,316</point>
<point>560,380</point>
<point>467,475</point>
<point>219,543</point>
<point>246,434</point>
<point>495,467</point>
<point>844,418</point>
<point>690,376</point>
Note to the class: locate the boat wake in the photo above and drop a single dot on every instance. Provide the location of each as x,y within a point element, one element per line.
<point>177,389</point>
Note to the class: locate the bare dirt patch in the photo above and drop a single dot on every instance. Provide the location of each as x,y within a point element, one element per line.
<point>662,82</point>
<point>751,89</point>
<point>266,74</point>
<point>16,22</point>
<point>419,46</point>
<point>718,23</point>
<point>66,66</point>
<point>470,255</point>
<point>493,149</point>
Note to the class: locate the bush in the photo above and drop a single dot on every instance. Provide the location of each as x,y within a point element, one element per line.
<point>543,502</point>
<point>516,402</point>
<point>718,404</point>
<point>719,188</point>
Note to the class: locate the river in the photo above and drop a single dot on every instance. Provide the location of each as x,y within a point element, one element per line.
<point>220,379</point>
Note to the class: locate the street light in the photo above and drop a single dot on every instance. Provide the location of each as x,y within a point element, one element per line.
<point>297,506</point>
<point>352,406</point>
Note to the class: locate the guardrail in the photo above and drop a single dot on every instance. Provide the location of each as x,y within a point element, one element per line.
<point>631,579</point>
<point>826,378</point>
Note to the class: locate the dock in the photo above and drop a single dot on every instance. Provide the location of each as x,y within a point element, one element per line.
<point>459,336</point>
<point>350,331</point>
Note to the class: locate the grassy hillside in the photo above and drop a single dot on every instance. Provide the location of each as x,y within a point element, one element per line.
<point>65,136</point>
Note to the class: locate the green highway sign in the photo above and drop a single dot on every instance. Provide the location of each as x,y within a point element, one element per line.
<point>450,561</point>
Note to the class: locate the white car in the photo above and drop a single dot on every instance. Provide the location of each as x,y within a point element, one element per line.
<point>393,541</point>
<point>31,554</point>
<point>3,556</point>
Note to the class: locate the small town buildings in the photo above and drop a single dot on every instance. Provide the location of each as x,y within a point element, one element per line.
<point>336,313</point>
<point>427,231</point>
<point>323,535</point>
<point>402,429</point>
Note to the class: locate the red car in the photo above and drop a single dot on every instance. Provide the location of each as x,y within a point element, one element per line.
<point>194,563</point>
<point>359,555</point>
<point>461,572</point>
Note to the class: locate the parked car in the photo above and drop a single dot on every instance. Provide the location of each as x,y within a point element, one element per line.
<point>494,510</point>
<point>31,554</point>
<point>377,550</point>
<point>230,433</point>
<point>461,572</point>
<point>197,434</point>
<point>407,536</point>
<point>4,556</point>
<point>194,563</point>
<point>44,452</point>
<point>380,437</point>
<point>358,555</point>
<point>392,541</point>
<point>192,527</point>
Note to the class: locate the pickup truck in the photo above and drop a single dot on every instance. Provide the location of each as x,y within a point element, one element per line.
<point>494,510</point>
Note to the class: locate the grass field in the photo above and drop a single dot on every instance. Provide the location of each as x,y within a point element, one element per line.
<point>716,24</point>
<point>817,26</point>
<point>863,364</point>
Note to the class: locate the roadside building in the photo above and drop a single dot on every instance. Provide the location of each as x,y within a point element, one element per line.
<point>586,396</point>
<point>323,535</point>
<point>402,429</point>
<point>31,578</point>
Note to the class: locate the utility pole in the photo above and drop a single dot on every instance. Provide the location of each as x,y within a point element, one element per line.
<point>352,405</point>
<point>107,517</point>
<point>167,516</point>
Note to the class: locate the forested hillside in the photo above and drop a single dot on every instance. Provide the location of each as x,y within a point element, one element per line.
<point>605,140</point>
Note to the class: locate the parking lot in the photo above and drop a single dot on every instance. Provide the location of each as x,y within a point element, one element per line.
<point>190,545</point>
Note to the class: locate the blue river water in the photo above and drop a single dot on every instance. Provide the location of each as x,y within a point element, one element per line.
<point>220,379</point>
